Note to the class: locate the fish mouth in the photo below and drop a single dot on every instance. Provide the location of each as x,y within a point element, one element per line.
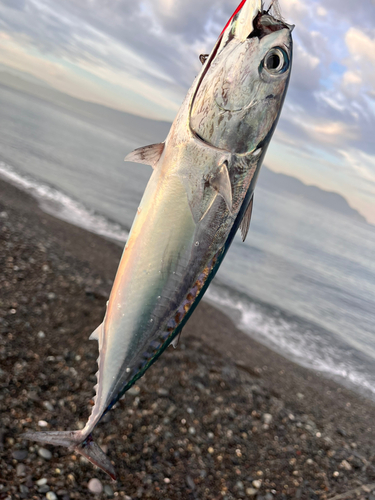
<point>264,24</point>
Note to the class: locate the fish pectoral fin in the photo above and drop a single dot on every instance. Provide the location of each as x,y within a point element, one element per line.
<point>202,190</point>
<point>220,182</point>
<point>149,155</point>
<point>245,223</point>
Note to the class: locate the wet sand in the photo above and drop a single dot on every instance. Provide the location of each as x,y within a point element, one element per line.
<point>220,417</point>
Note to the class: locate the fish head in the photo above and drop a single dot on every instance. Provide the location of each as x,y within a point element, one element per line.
<point>243,83</point>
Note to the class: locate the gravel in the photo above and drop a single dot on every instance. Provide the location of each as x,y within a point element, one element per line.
<point>44,453</point>
<point>95,486</point>
<point>20,454</point>
<point>218,382</point>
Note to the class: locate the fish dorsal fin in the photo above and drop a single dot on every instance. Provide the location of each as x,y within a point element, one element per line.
<point>149,155</point>
<point>96,333</point>
<point>245,223</point>
<point>221,184</point>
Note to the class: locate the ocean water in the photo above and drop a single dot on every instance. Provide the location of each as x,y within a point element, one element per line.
<point>303,283</point>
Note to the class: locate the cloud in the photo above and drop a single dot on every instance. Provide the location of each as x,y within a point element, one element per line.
<point>306,71</point>
<point>14,4</point>
<point>360,76</point>
<point>361,164</point>
<point>142,56</point>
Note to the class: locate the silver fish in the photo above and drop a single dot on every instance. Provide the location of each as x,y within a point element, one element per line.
<point>200,193</point>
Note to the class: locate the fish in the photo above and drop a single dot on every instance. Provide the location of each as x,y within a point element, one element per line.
<point>199,195</point>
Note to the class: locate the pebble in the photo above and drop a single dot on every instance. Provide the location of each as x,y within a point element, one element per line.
<point>44,453</point>
<point>42,423</point>
<point>345,465</point>
<point>43,489</point>
<point>257,484</point>
<point>95,486</point>
<point>42,481</point>
<point>20,454</point>
<point>21,470</point>
<point>162,392</point>
<point>206,395</point>
<point>267,418</point>
<point>133,391</point>
<point>41,335</point>
<point>108,491</point>
<point>48,406</point>
<point>190,482</point>
<point>239,485</point>
<point>24,489</point>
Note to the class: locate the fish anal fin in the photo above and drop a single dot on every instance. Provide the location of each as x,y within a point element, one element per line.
<point>220,182</point>
<point>176,340</point>
<point>245,223</point>
<point>149,155</point>
<point>90,450</point>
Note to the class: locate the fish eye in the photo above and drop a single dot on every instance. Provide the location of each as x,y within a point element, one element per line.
<point>276,61</point>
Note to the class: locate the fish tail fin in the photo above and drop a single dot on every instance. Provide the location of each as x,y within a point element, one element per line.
<point>92,451</point>
<point>76,440</point>
<point>69,439</point>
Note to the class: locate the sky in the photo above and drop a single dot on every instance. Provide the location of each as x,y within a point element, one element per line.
<point>142,56</point>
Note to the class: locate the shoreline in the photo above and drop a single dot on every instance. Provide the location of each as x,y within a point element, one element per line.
<point>327,374</point>
<point>248,395</point>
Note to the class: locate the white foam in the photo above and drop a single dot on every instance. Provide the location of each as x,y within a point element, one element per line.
<point>301,345</point>
<point>62,206</point>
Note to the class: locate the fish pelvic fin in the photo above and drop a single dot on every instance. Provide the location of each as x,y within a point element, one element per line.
<point>245,223</point>
<point>149,155</point>
<point>75,441</point>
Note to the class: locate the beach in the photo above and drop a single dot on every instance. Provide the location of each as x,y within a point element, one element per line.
<point>220,417</point>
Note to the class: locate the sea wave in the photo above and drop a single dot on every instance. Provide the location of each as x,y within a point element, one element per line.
<point>293,337</point>
<point>296,339</point>
<point>62,206</point>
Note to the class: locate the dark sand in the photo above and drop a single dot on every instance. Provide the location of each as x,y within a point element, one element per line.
<point>220,417</point>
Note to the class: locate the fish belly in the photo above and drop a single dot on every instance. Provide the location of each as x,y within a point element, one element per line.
<point>149,281</point>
